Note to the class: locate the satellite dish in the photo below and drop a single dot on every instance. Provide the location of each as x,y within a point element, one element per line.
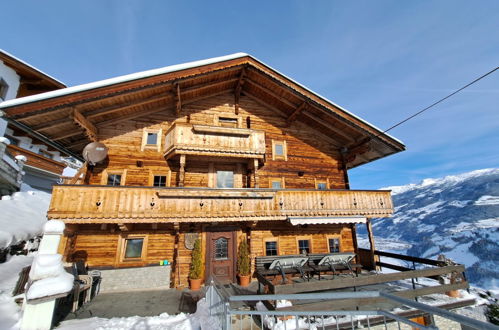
<point>94,153</point>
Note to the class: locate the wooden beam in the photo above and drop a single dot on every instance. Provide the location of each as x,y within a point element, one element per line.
<point>77,176</point>
<point>296,113</point>
<point>77,143</point>
<point>178,99</point>
<point>181,172</point>
<point>337,131</point>
<point>200,87</point>
<point>371,239</point>
<point>237,90</point>
<point>121,107</point>
<point>347,282</point>
<point>90,129</point>
<point>52,124</point>
<point>140,113</point>
<point>271,93</point>
<point>67,134</point>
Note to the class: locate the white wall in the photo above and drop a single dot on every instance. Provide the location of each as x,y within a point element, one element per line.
<point>12,79</point>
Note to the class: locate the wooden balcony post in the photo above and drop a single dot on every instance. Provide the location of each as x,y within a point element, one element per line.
<point>256,183</point>
<point>371,241</point>
<point>181,174</point>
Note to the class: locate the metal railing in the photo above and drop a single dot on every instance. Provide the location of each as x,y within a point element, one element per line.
<point>230,317</point>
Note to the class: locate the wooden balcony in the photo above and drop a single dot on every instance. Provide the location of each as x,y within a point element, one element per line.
<point>186,139</point>
<point>99,204</point>
<point>38,161</point>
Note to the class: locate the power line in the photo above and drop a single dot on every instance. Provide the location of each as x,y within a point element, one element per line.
<point>441,100</point>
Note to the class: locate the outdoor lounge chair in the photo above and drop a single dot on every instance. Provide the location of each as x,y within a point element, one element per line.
<point>335,262</point>
<point>293,265</point>
<point>84,283</point>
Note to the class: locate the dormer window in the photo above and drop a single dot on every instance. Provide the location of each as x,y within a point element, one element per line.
<point>279,150</point>
<point>151,139</point>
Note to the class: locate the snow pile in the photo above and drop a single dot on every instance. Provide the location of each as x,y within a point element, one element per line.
<point>199,320</point>
<point>63,283</point>
<point>54,227</point>
<point>10,312</point>
<point>23,215</point>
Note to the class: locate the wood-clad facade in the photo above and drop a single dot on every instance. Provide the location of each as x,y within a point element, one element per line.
<point>223,150</point>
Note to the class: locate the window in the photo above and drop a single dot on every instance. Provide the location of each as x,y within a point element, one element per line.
<point>279,150</point>
<point>321,185</point>
<point>304,246</point>
<point>151,139</point>
<point>271,248</point>
<point>133,248</point>
<point>276,184</point>
<point>227,122</point>
<point>3,89</point>
<point>114,179</point>
<point>159,181</point>
<point>221,249</point>
<point>334,245</point>
<point>225,179</point>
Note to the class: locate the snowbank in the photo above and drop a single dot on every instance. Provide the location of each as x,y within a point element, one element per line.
<point>10,312</point>
<point>49,286</point>
<point>22,215</point>
<point>199,320</point>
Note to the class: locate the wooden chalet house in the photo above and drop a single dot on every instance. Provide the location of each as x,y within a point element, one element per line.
<point>223,149</point>
<point>44,165</point>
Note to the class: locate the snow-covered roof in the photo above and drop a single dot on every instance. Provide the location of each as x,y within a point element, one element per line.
<point>164,70</point>
<point>30,66</point>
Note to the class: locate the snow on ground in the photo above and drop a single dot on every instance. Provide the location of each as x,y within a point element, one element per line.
<point>9,272</point>
<point>199,320</point>
<point>487,200</point>
<point>22,215</point>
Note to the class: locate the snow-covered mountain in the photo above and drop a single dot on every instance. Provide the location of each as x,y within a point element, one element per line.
<point>457,216</point>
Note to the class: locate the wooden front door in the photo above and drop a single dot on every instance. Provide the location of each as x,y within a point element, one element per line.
<point>221,255</point>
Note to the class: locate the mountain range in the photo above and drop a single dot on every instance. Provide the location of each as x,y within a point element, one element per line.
<point>457,216</point>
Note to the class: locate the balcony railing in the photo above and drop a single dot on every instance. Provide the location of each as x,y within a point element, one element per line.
<point>214,141</point>
<point>90,204</point>
<point>38,161</point>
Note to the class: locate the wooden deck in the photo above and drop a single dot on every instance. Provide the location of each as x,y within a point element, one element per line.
<point>121,204</point>
<point>38,161</point>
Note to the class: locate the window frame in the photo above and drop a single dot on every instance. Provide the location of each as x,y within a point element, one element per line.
<point>106,173</point>
<point>238,119</point>
<point>338,237</point>
<point>319,181</point>
<point>284,156</point>
<point>304,238</point>
<point>268,240</point>
<point>123,244</point>
<point>157,145</point>
<point>168,175</point>
<point>281,180</point>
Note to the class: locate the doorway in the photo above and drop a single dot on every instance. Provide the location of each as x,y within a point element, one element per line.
<point>221,254</point>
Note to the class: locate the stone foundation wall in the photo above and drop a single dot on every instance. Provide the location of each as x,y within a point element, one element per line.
<point>137,278</point>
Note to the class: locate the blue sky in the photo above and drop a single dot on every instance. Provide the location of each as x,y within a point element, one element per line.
<point>382,60</point>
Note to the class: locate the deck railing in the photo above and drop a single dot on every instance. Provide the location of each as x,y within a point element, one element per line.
<point>214,141</point>
<point>38,161</point>
<point>89,203</point>
<point>220,308</point>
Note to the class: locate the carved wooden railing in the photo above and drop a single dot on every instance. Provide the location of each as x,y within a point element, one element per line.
<point>214,141</point>
<point>89,204</point>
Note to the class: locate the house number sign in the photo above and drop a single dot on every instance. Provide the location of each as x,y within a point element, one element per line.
<point>190,238</point>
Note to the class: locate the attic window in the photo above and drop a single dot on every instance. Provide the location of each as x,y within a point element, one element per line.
<point>279,150</point>
<point>227,122</point>
<point>151,139</point>
<point>4,87</point>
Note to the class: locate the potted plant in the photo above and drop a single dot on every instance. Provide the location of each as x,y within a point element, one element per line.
<point>196,270</point>
<point>243,263</point>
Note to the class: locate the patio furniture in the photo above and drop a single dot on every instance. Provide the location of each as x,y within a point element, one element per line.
<point>335,262</point>
<point>283,265</point>
<point>84,282</point>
